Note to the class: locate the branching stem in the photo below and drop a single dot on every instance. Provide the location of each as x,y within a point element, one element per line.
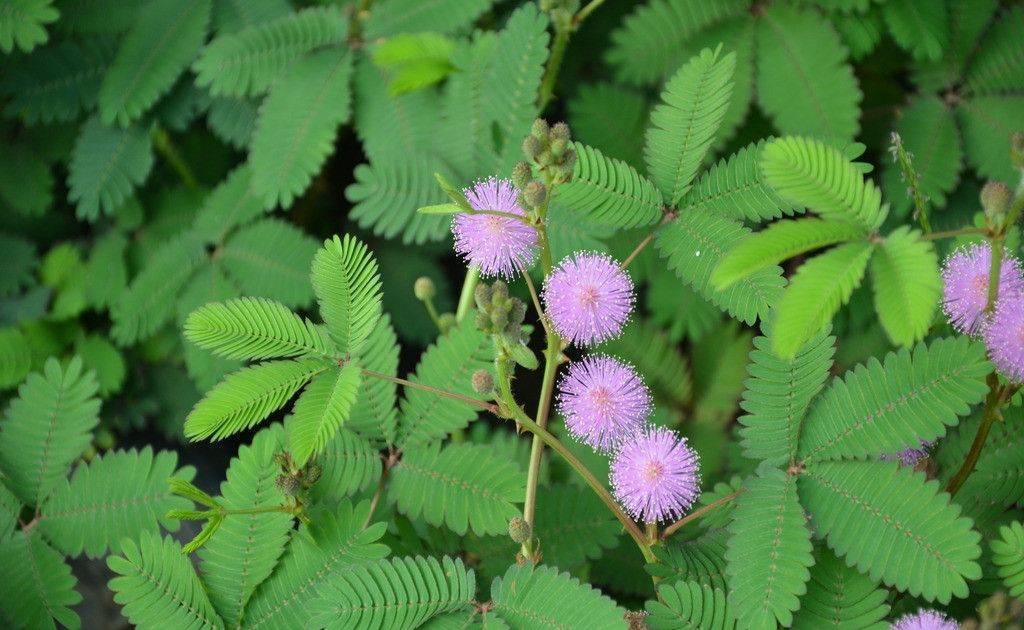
<point>479,404</point>
<point>165,147</point>
<point>932,236</point>
<point>696,514</point>
<point>466,296</point>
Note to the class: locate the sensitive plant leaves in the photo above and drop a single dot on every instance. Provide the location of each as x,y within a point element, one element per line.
<point>347,286</point>
<point>271,258</point>
<point>530,595</point>
<point>907,285</point>
<point>38,585</point>
<point>107,164</point>
<point>321,410</point>
<point>255,329</point>
<point>689,605</point>
<point>1008,556</point>
<point>610,192</point>
<point>23,24</point>
<point>838,596</point>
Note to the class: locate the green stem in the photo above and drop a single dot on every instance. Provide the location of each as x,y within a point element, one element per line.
<point>692,516</point>
<point>536,301</point>
<point>432,312</point>
<point>165,147</point>
<point>466,297</point>
<point>547,86</point>
<point>287,509</point>
<point>551,355</point>
<point>585,12</point>
<point>480,404</point>
<point>932,236</point>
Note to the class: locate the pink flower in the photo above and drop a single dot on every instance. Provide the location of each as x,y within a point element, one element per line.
<point>925,619</point>
<point>910,456</point>
<point>1004,337</point>
<point>588,298</point>
<point>965,285</point>
<point>655,475</point>
<point>499,246</point>
<point>603,401</point>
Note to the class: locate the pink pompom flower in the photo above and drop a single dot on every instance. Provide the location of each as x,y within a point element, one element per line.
<point>656,475</point>
<point>965,285</point>
<point>925,619</point>
<point>910,456</point>
<point>603,400</point>
<point>588,298</point>
<point>1004,337</point>
<point>499,246</point>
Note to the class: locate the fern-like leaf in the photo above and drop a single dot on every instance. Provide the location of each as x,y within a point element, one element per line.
<point>331,544</point>
<point>321,410</point>
<point>987,124</point>
<point>447,365</point>
<point>46,428</point>
<point>248,62</point>
<point>1008,556</point>
<point>804,82</point>
<point>157,587</point>
<point>996,69</point>
<point>690,606</point>
<point>778,242</point>
<point>255,329</point>
<point>905,275</point>
<point>400,593</point>
<point>10,510</point>
<point>233,120</point>
<point>39,588</point>
<point>271,259</point>
<point>817,291</point>
<point>530,596</point>
<point>460,486</point>
<point>161,44</point>
<point>409,16</point>
<point>246,547</point>
<point>113,497</point>
<point>230,205</point>
<point>107,165</point>
<point>646,346</point>
<point>769,551</point>
<point>840,597</point>
<point>15,357</point>
<point>610,192</point>
<point>684,124</point>
<point>297,125</point>
<point>248,396</point>
<point>611,118</point>
<point>23,24</point>
<point>701,560</point>
<point>373,415</point>
<point>920,543</point>
<point>882,408</point>
<point>921,30</point>
<point>348,464</point>
<point>348,289</point>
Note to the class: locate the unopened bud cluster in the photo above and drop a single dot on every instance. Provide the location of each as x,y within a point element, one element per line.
<point>995,200</point>
<point>294,480</point>
<point>497,311</point>
<point>550,149</point>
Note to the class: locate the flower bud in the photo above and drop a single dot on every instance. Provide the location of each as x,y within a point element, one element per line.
<point>560,131</point>
<point>312,474</point>
<point>540,129</point>
<point>424,289</point>
<point>482,296</point>
<point>532,147</point>
<point>521,175</point>
<point>534,194</point>
<point>519,530</point>
<point>446,321</point>
<point>995,199</point>
<point>288,484</point>
<point>499,292</point>
<point>483,382</point>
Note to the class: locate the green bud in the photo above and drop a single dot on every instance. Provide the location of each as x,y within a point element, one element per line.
<point>995,199</point>
<point>636,620</point>
<point>521,175</point>
<point>483,382</point>
<point>483,322</point>
<point>312,474</point>
<point>499,291</point>
<point>534,194</point>
<point>446,321</point>
<point>482,296</point>
<point>424,289</point>
<point>287,484</point>
<point>532,147</point>
<point>519,530</point>
<point>540,129</point>
<point>517,314</point>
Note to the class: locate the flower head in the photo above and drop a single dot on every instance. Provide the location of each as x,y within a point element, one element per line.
<point>910,456</point>
<point>498,245</point>
<point>603,401</point>
<point>925,619</point>
<point>965,286</point>
<point>655,475</point>
<point>588,297</point>
<point>1004,337</point>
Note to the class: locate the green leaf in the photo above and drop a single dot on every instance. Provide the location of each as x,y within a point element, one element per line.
<point>347,285</point>
<point>157,587</point>
<point>609,192</point>
<point>689,605</point>
<point>105,360</point>
<point>400,593</point>
<point>415,60</point>
<point>407,16</point>
<point>255,329</point>
<point>529,596</point>
<point>1008,556</point>
<point>996,69</point>
<point>573,526</point>
<point>769,552</point>
<point>330,545</point>
<point>114,497</point>
<point>23,24</point>
<point>777,395</point>
<point>804,82</point>
<point>461,486</point>
<point>161,44</point>
<point>348,464</point>
<point>230,205</point>
<point>811,173</point>
<point>987,123</point>
<point>373,415</point>
<point>297,125</point>
<point>927,128</point>
<point>684,124</point>
<point>905,275</point>
<point>249,61</point>
<point>17,267</point>
<point>815,294</point>
<point>441,208</point>
<point>248,396</point>
<point>921,30</point>
<point>244,550</point>
<point>666,369</point>
<point>694,244</point>
<point>778,242</point>
<point>107,165</point>
<point>15,357</point>
<point>233,120</point>
<point>919,543</point>
<point>611,118</point>
<point>271,259</point>
<point>448,365</point>
<point>47,427</point>
<point>39,588</point>
<point>10,510</point>
<point>321,410</point>
<point>882,408</point>
<point>840,597</point>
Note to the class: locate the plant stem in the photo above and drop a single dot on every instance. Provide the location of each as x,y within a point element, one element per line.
<point>547,86</point>
<point>536,301</point>
<point>480,404</point>
<point>636,251</point>
<point>692,516</point>
<point>932,236</point>
<point>585,12</point>
<point>287,509</point>
<point>165,147</point>
<point>466,297</point>
<point>551,354</point>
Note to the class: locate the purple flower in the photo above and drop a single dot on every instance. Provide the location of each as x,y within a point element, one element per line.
<point>588,298</point>
<point>655,475</point>
<point>1004,337</point>
<point>499,246</point>
<point>925,619</point>
<point>965,285</point>
<point>603,401</point>
<point>910,456</point>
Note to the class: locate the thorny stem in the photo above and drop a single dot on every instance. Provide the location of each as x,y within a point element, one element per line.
<point>932,236</point>
<point>165,147</point>
<point>692,516</point>
<point>466,297</point>
<point>480,404</point>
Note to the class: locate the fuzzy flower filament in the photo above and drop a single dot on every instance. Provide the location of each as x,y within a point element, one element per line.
<point>925,619</point>
<point>498,245</point>
<point>1004,337</point>
<point>910,456</point>
<point>588,298</point>
<point>603,400</point>
<point>656,475</point>
<point>965,278</point>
